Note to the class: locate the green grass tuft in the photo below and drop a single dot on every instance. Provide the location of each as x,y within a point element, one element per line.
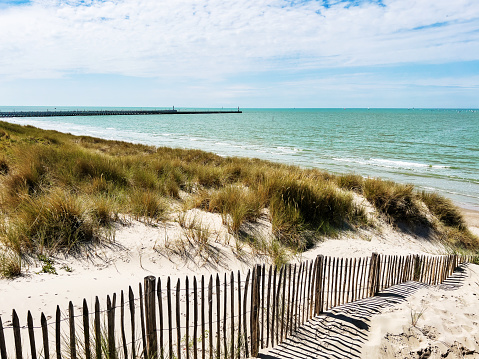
<point>396,201</point>
<point>443,209</point>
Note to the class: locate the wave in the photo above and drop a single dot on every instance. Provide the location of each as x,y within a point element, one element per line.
<point>387,163</point>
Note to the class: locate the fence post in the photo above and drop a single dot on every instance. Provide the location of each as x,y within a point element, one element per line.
<point>150,317</point>
<point>3,348</point>
<point>372,274</point>
<point>417,268</point>
<point>377,276</point>
<point>255,311</point>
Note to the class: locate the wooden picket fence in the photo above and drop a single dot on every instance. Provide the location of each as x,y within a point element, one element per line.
<point>230,318</point>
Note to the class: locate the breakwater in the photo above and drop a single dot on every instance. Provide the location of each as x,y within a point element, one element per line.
<point>109,113</point>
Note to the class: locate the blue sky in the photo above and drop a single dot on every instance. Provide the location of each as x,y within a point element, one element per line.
<point>248,53</point>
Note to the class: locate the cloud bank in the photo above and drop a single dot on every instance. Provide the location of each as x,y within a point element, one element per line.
<point>214,39</point>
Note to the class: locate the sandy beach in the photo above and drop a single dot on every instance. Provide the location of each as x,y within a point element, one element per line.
<point>138,250</point>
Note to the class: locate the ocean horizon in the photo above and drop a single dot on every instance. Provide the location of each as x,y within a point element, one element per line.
<point>433,149</point>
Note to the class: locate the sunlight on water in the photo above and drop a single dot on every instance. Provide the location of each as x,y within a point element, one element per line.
<point>432,149</point>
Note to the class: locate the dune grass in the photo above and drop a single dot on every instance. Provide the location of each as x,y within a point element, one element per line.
<point>59,191</point>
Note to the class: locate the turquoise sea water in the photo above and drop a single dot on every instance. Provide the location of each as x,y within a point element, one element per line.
<point>436,150</point>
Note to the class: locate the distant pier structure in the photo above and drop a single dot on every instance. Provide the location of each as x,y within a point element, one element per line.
<point>110,112</point>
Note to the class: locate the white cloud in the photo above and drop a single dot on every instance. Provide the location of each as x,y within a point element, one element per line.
<point>213,38</point>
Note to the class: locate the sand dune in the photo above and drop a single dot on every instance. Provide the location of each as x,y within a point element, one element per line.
<point>448,326</point>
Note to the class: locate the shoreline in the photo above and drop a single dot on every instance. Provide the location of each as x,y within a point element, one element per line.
<point>471,217</point>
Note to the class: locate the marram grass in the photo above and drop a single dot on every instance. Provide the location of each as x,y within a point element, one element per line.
<point>58,191</point>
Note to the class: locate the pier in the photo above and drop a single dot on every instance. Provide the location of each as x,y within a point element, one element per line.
<point>110,113</point>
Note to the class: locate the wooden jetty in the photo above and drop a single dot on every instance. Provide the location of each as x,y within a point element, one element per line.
<point>110,113</point>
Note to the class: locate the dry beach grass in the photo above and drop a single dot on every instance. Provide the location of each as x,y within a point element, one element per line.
<point>82,216</point>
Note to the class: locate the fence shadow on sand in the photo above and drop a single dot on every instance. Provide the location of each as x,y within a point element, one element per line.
<point>340,332</point>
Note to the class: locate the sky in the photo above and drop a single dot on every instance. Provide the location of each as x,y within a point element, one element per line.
<point>247,53</point>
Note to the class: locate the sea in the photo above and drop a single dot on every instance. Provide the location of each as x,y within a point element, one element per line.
<point>434,149</point>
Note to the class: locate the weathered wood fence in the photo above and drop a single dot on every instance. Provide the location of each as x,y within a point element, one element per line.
<point>230,317</point>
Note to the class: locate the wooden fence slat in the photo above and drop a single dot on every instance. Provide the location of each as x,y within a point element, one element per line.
<point>46,348</point>
<point>308,296</point>
<point>303,285</point>
<point>187,329</point>
<point>357,282</point>
<point>255,303</point>
<point>58,334</point>
<point>304,307</point>
<point>150,317</point>
<point>372,274</point>
<point>97,329</point>
<point>390,270</point>
<point>352,271</point>
<point>31,335</point>
<point>377,275</point>
<point>268,298</point>
<point>142,320</point>
<point>122,325</point>
<point>170,334</point>
<point>3,348</point>
<point>203,331</point>
<point>218,317</point>
<point>366,264</point>
<point>178,321</point>
<point>195,318</point>
<point>334,277</point>
<point>245,331</point>
<point>232,288</point>
<point>331,282</point>
<point>393,270</point>
<point>283,302</point>
<point>225,303</point>
<point>86,329</point>
<point>277,297</point>
<point>252,309</point>
<point>238,350</point>
<point>131,300</point>
<point>159,295</point>
<point>71,317</point>
<point>273,311</point>
<point>210,315</point>
<point>17,335</point>
<point>110,305</point>
<point>296,291</point>
<point>342,281</point>
<point>320,283</point>
<point>329,287</point>
<point>291,303</point>
<point>288,303</point>
<point>263,275</point>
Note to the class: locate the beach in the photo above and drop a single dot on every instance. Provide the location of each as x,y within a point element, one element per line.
<point>140,250</point>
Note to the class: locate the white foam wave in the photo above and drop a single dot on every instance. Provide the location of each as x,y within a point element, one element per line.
<point>386,163</point>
